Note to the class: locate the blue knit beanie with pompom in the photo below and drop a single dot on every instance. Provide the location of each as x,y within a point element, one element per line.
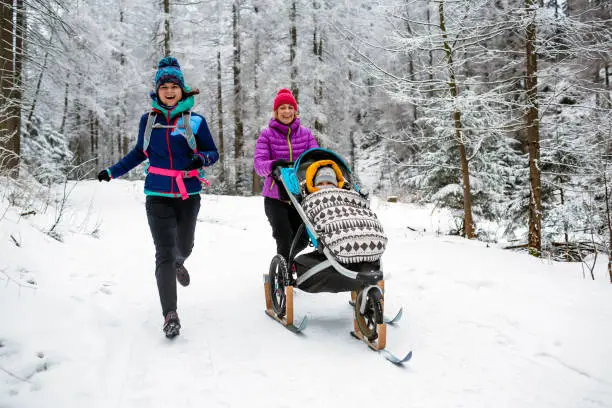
<point>169,70</point>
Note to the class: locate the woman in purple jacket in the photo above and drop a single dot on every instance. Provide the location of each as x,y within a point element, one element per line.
<point>282,142</point>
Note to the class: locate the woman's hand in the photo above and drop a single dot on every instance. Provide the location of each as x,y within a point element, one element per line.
<point>103,175</point>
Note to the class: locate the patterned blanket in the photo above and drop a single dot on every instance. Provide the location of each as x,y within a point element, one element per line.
<point>346,225</point>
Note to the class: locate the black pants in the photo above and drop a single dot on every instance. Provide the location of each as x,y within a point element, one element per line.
<point>285,221</point>
<point>172,222</point>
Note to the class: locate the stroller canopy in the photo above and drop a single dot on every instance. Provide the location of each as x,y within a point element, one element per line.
<point>296,175</point>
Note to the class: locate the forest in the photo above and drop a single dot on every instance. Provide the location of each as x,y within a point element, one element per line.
<point>499,110</point>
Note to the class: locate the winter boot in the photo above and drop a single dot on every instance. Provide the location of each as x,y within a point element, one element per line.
<point>172,324</point>
<point>182,276</point>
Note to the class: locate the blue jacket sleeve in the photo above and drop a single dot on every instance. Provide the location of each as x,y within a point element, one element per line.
<point>134,157</point>
<point>207,150</point>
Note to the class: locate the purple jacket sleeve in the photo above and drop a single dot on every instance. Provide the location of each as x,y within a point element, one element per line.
<point>262,159</point>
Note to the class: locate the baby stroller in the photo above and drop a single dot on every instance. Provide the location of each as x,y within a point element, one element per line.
<point>328,269</point>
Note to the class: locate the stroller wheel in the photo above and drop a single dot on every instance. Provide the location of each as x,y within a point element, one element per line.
<point>278,271</point>
<point>372,315</point>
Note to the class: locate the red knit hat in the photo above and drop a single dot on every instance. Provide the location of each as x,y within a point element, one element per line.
<point>284,96</point>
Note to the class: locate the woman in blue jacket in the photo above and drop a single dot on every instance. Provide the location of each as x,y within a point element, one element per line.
<point>177,144</point>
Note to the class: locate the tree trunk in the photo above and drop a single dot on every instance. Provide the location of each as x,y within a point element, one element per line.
<point>293,50</point>
<point>565,228</point>
<point>122,139</point>
<point>92,135</point>
<point>222,176</point>
<point>97,140</point>
<point>119,140</point>
<point>37,91</point>
<point>257,64</point>
<point>167,28</point>
<point>256,184</point>
<point>65,115</point>
<point>126,144</point>
<point>468,222</point>
<point>352,138</point>
<point>415,112</point>
<point>10,112</point>
<point>608,197</point>
<point>533,136</point>
<point>352,151</point>
<point>430,53</point>
<point>6,65</point>
<point>20,30</point>
<point>317,48</point>
<point>79,148</point>
<point>411,74</point>
<point>608,74</point>
<point>238,124</point>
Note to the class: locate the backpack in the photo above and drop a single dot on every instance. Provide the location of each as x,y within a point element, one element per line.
<point>188,134</point>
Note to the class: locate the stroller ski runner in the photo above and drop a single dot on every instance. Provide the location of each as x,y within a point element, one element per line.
<point>348,242</point>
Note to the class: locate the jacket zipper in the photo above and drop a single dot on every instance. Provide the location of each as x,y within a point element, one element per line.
<point>169,153</point>
<point>289,143</point>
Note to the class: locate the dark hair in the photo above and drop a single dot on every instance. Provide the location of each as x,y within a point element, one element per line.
<point>195,91</point>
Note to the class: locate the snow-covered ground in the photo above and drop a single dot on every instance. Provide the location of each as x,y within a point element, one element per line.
<point>80,321</point>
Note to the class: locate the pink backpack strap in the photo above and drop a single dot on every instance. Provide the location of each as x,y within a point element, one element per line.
<point>178,175</point>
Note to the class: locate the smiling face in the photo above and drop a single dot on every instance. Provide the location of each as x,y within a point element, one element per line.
<point>170,93</point>
<point>285,113</point>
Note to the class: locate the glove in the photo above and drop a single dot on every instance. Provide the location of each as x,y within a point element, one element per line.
<point>277,165</point>
<point>281,163</point>
<point>103,175</point>
<point>196,163</point>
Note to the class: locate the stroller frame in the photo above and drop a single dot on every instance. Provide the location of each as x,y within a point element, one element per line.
<point>368,322</point>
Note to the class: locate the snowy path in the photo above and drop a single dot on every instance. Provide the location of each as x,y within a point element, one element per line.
<point>488,327</point>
